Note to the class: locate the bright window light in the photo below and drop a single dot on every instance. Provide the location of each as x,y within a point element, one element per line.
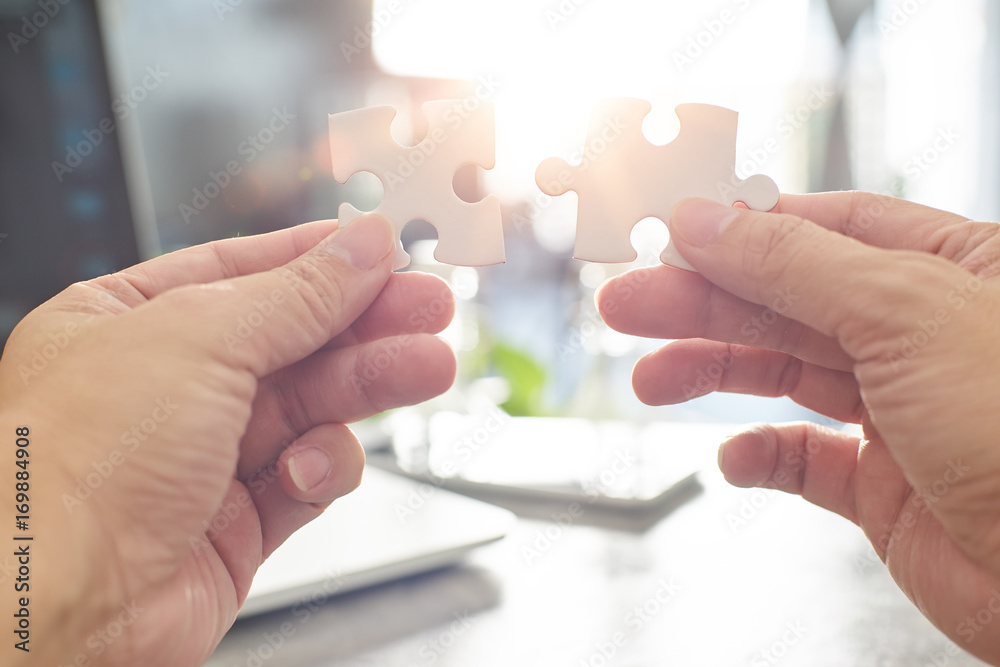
<point>555,59</point>
<point>934,97</point>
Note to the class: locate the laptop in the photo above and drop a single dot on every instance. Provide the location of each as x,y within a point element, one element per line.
<point>72,203</point>
<point>389,528</point>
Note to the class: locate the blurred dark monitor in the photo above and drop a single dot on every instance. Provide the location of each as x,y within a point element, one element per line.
<point>65,212</point>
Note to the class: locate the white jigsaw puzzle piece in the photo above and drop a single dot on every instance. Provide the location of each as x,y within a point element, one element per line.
<point>418,181</point>
<point>623,178</point>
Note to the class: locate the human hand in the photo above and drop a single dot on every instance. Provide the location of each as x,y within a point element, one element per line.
<point>187,415</point>
<point>869,310</point>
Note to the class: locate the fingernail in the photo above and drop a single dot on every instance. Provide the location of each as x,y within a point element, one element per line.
<point>364,242</point>
<point>309,468</point>
<point>700,221</point>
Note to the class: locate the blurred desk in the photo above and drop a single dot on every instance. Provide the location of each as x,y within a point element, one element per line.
<point>730,577</point>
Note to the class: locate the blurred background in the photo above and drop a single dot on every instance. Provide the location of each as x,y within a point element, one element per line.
<point>220,113</point>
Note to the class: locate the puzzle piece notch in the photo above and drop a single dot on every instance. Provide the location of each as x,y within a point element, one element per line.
<point>622,178</point>
<point>418,180</point>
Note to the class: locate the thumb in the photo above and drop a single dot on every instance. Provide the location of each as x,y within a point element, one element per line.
<point>265,321</point>
<point>861,295</point>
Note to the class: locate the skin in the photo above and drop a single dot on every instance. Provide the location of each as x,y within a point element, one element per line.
<point>870,310</point>
<point>197,382</point>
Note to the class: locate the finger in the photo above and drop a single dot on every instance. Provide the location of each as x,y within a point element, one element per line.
<point>409,303</point>
<point>322,465</point>
<point>885,222</point>
<point>276,490</point>
<point>218,260</point>
<point>266,321</point>
<point>343,386</point>
<point>806,459</point>
<point>864,296</point>
<point>663,302</point>
<point>688,369</point>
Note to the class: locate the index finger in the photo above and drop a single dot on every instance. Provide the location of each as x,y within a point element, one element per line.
<point>837,285</point>
<point>878,220</point>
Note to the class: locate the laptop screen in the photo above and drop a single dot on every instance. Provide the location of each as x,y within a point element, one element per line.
<point>64,208</point>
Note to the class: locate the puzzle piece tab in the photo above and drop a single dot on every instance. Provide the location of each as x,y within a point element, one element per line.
<point>623,178</point>
<point>418,180</point>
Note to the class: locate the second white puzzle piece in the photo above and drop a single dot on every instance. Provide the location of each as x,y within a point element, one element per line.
<point>623,178</point>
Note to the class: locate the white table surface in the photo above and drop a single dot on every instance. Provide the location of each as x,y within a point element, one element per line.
<point>793,585</point>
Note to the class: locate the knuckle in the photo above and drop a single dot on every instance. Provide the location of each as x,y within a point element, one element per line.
<point>319,293</point>
<point>791,336</point>
<point>193,297</point>
<point>771,250</point>
<point>293,409</point>
<point>227,265</point>
<point>789,376</point>
<point>369,397</point>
